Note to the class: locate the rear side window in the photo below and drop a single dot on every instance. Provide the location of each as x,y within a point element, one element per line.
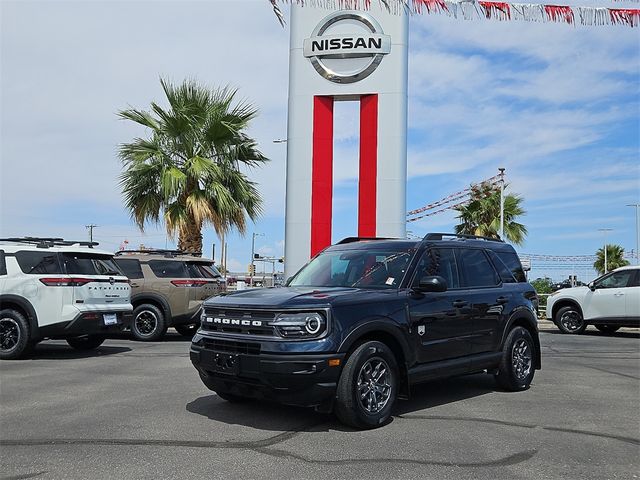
<point>203,270</point>
<point>90,264</point>
<point>3,264</point>
<point>39,263</point>
<point>168,269</point>
<point>438,261</point>
<point>476,268</point>
<point>505,273</point>
<point>130,267</point>
<point>511,260</point>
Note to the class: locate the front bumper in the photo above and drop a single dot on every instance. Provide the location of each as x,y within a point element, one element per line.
<point>87,323</point>
<point>293,379</point>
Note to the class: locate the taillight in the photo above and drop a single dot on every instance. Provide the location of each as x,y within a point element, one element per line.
<point>65,281</point>
<point>189,283</point>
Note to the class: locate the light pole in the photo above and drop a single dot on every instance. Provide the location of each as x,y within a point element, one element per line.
<point>253,251</point>
<point>637,205</point>
<point>90,228</point>
<point>501,170</point>
<point>605,230</point>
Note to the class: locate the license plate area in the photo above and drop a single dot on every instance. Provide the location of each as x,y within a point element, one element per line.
<point>226,363</point>
<point>110,318</point>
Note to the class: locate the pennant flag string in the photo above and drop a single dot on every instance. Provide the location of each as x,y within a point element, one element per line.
<point>486,9</point>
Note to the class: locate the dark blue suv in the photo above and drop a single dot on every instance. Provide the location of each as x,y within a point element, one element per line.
<point>367,318</point>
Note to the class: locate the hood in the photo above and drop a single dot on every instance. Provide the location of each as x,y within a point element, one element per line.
<point>290,297</point>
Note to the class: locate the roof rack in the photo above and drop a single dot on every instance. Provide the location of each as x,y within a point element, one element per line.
<point>361,239</point>
<point>462,236</point>
<point>160,251</point>
<point>47,242</point>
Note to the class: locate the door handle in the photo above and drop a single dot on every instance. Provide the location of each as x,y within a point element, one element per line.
<point>134,284</point>
<point>501,300</point>
<point>460,303</point>
<point>619,294</point>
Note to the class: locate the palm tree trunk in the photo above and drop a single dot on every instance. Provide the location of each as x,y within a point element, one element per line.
<point>190,238</point>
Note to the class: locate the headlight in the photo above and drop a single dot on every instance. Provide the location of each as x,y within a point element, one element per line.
<point>300,325</point>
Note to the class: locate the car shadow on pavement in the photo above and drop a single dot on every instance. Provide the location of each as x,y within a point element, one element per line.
<point>50,351</point>
<point>596,333</point>
<point>259,414</point>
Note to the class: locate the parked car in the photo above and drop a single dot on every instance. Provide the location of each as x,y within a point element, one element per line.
<point>366,319</point>
<point>168,287</point>
<point>609,302</point>
<point>51,288</point>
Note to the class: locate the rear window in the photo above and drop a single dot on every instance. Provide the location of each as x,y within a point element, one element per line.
<point>3,264</point>
<point>169,269</point>
<point>511,260</point>
<point>477,270</point>
<point>130,267</point>
<point>90,264</point>
<point>203,270</point>
<point>39,263</point>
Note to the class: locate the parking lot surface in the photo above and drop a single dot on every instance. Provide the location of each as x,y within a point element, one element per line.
<point>139,410</point>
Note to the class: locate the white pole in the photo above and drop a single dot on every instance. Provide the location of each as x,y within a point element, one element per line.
<point>501,170</point>
<point>637,205</point>
<point>605,230</point>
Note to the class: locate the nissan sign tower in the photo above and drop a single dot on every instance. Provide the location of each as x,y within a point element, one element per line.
<point>345,55</point>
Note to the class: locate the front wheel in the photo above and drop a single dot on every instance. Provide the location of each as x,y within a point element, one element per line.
<point>14,334</point>
<point>516,368</point>
<point>367,387</point>
<point>88,342</point>
<point>608,329</point>
<point>569,320</point>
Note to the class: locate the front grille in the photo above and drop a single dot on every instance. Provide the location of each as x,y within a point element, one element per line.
<point>231,347</point>
<point>240,322</point>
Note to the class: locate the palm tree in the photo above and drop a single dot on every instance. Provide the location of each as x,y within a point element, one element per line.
<point>615,258</point>
<point>481,215</point>
<point>187,171</point>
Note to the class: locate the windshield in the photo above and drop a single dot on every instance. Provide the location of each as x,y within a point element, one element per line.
<point>355,268</point>
<point>90,264</point>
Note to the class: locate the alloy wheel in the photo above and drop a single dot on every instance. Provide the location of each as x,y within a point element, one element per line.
<point>374,385</point>
<point>146,322</point>
<point>521,359</point>
<point>9,334</point>
<point>571,320</point>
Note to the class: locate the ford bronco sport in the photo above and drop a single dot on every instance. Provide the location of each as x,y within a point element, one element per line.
<point>367,318</point>
<point>168,287</point>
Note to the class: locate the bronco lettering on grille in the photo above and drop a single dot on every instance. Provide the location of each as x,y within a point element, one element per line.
<point>237,322</point>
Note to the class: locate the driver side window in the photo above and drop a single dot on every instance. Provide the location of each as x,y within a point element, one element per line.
<point>615,280</point>
<point>438,261</point>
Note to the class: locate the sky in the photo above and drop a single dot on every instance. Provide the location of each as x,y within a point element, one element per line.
<point>558,106</point>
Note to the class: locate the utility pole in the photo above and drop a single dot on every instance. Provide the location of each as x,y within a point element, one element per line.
<point>253,251</point>
<point>90,228</point>
<point>605,230</point>
<point>501,170</point>
<point>637,205</point>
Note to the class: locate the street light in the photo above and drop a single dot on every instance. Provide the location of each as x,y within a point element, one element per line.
<point>605,230</point>
<point>637,205</point>
<point>501,170</point>
<point>253,249</point>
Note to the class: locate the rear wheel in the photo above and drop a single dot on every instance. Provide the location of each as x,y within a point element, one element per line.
<point>569,320</point>
<point>608,329</point>
<point>88,342</point>
<point>148,323</point>
<point>14,334</point>
<point>516,368</point>
<point>187,330</point>
<point>367,387</point>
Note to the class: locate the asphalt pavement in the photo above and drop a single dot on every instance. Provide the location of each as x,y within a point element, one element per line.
<point>138,410</point>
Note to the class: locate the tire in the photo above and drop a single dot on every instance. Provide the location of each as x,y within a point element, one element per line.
<point>569,320</point>
<point>516,368</point>
<point>187,330</point>
<point>371,369</point>
<point>148,324</point>
<point>14,334</point>
<point>88,342</point>
<point>608,329</point>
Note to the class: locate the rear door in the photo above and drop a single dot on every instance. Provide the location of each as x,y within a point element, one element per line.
<point>174,284</point>
<point>441,323</point>
<point>632,299</point>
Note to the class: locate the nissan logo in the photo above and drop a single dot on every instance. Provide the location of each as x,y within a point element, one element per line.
<point>347,57</point>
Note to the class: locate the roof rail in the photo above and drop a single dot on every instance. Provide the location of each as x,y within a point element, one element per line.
<point>360,239</point>
<point>46,242</point>
<point>160,251</point>
<point>439,236</point>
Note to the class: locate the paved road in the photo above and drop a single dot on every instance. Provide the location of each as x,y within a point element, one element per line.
<point>136,410</point>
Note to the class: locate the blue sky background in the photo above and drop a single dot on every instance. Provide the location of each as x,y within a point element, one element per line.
<point>557,105</point>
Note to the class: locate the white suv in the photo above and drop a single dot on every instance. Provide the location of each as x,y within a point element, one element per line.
<point>609,302</point>
<point>51,288</point>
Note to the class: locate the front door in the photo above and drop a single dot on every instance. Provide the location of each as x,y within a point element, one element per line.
<point>441,323</point>
<point>608,300</point>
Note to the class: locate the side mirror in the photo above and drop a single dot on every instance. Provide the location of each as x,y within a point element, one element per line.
<point>433,283</point>
<point>592,286</point>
